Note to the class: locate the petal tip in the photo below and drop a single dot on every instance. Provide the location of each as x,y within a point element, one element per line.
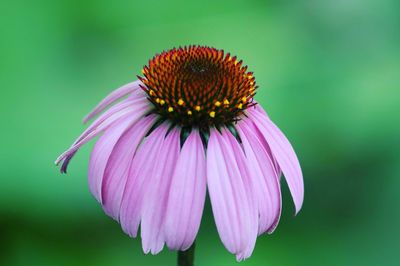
<point>86,119</point>
<point>298,209</point>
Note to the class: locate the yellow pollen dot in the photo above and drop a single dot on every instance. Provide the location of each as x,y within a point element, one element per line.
<point>226,102</point>
<point>162,102</point>
<point>249,76</point>
<point>180,102</point>
<point>151,92</point>
<point>240,106</point>
<point>236,62</point>
<point>197,107</point>
<point>230,58</point>
<point>251,83</point>
<point>158,100</point>
<point>189,112</point>
<point>217,103</point>
<point>212,114</point>
<point>170,109</point>
<point>244,99</point>
<point>143,72</point>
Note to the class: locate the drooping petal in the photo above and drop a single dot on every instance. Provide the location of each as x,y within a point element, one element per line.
<point>283,151</point>
<point>117,110</point>
<point>139,177</point>
<point>128,108</point>
<point>250,186</point>
<point>118,165</point>
<point>102,150</point>
<point>259,109</point>
<point>263,174</point>
<point>156,196</point>
<point>227,194</point>
<point>112,97</point>
<point>186,195</point>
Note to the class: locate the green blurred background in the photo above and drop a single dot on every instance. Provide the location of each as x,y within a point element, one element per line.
<point>329,75</point>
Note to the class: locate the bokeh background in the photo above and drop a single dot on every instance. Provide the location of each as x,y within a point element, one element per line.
<point>329,75</point>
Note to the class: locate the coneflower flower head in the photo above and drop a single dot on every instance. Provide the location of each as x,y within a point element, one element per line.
<point>189,124</point>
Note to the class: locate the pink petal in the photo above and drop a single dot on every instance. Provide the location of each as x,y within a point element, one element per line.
<point>125,109</point>
<point>265,145</point>
<point>156,197</point>
<point>187,195</point>
<point>284,154</point>
<point>118,165</point>
<point>102,151</point>
<point>251,187</point>
<point>230,205</point>
<point>112,97</point>
<point>118,109</point>
<point>142,167</point>
<point>263,174</point>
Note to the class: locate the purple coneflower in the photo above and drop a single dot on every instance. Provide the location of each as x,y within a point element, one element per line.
<point>188,125</point>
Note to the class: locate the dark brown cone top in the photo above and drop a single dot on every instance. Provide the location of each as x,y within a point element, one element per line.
<point>198,86</point>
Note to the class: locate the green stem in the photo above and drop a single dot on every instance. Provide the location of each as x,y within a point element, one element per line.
<point>186,258</point>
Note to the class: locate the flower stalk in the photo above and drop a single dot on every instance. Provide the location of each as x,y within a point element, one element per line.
<point>186,258</point>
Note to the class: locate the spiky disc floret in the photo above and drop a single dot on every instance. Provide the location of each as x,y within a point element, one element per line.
<point>198,86</point>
